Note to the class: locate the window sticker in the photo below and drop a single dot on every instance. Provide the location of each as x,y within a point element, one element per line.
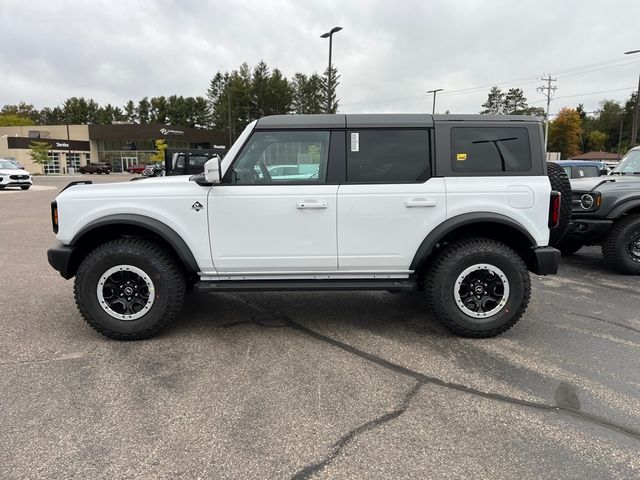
<point>355,142</point>
<point>461,157</point>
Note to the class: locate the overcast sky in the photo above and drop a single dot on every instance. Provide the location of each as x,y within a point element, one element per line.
<point>115,50</point>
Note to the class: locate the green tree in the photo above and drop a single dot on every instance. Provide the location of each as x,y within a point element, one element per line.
<point>22,109</point>
<point>51,116</point>
<point>143,111</point>
<point>335,81</point>
<point>159,110</point>
<point>564,133</point>
<point>308,96</point>
<point>495,102</point>
<point>514,102</point>
<point>596,140</point>
<point>158,156</point>
<point>130,112</point>
<point>13,120</point>
<point>80,111</point>
<point>39,152</point>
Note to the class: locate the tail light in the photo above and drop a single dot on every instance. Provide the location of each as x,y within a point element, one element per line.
<point>554,209</point>
<point>54,216</point>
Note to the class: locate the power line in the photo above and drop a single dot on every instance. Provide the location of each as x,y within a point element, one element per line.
<point>568,72</point>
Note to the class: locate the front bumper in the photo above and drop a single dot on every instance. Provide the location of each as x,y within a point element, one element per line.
<point>59,258</point>
<point>588,230</point>
<point>547,260</point>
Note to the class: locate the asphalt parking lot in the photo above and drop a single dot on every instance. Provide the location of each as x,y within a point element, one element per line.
<point>313,385</point>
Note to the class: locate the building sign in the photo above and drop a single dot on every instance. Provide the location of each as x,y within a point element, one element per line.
<point>54,143</point>
<point>167,131</point>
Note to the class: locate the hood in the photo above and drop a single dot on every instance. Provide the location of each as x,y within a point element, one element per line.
<point>11,171</point>
<point>606,182</point>
<point>147,187</point>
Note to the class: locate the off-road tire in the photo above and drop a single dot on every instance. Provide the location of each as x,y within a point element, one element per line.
<point>560,183</point>
<point>569,247</point>
<point>160,265</point>
<point>439,280</point>
<point>615,247</point>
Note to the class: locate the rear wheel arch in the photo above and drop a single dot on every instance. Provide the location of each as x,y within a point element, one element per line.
<point>472,225</point>
<point>111,227</point>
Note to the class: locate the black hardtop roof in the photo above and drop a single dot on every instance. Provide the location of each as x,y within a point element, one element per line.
<point>379,120</point>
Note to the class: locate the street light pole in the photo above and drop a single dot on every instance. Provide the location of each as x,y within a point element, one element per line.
<point>329,34</point>
<point>636,113</point>
<point>433,110</point>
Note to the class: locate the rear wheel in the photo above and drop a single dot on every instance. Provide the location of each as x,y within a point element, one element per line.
<point>129,289</point>
<point>560,183</point>
<point>477,287</point>
<point>621,246</point>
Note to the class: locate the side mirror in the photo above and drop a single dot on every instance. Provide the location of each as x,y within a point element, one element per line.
<point>212,171</point>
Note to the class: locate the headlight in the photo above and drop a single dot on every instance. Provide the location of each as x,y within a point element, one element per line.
<point>586,202</point>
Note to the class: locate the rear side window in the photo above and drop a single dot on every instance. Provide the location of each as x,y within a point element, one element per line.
<point>490,149</point>
<point>387,156</point>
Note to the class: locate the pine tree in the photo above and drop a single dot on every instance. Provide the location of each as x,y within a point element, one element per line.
<point>495,102</point>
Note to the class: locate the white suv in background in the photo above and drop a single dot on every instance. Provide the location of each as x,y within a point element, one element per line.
<point>13,176</point>
<point>457,207</point>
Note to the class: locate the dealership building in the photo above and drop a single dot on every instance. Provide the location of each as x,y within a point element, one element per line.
<point>121,145</point>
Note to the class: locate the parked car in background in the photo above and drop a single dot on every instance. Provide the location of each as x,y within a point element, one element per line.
<point>189,161</point>
<point>96,168</point>
<point>136,169</point>
<point>17,164</point>
<point>606,211</point>
<point>153,170</point>
<point>583,168</point>
<point>12,176</point>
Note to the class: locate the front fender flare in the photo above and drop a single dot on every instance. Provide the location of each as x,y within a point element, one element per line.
<point>151,224</point>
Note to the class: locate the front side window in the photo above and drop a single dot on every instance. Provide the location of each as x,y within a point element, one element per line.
<point>387,156</point>
<point>283,157</point>
<point>490,149</point>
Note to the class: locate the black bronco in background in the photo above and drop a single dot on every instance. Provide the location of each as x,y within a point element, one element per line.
<point>185,161</point>
<point>606,210</point>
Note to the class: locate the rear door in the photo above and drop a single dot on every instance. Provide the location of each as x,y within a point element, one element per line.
<point>389,202</point>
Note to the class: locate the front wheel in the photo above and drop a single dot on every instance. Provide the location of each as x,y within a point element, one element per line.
<point>621,246</point>
<point>129,289</point>
<point>478,287</point>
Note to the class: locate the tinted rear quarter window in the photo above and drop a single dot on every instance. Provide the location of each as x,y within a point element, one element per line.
<point>387,156</point>
<point>490,149</point>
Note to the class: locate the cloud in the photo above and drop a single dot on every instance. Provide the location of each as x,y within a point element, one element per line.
<point>388,51</point>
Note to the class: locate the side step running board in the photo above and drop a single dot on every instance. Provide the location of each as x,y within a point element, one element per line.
<point>302,285</point>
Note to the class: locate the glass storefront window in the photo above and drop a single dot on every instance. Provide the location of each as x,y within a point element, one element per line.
<point>54,163</point>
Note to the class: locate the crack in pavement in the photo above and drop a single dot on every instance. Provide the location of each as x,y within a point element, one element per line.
<point>422,378</point>
<point>338,446</point>
<point>592,317</point>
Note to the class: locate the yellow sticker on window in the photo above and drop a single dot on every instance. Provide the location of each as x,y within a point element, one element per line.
<point>461,157</point>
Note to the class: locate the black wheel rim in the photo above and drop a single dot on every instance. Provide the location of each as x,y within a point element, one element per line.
<point>125,292</point>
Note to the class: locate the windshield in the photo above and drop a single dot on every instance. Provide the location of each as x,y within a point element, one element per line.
<point>7,165</point>
<point>630,164</point>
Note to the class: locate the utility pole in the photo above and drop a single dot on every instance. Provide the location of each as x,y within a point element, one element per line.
<point>636,112</point>
<point>548,91</point>
<point>229,112</point>
<point>433,110</point>
<point>329,35</point>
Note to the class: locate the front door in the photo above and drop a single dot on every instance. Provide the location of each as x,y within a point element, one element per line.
<point>274,211</point>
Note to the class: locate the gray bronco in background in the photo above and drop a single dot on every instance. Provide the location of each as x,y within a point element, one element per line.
<point>606,210</point>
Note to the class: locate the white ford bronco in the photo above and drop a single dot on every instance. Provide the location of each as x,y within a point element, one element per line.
<point>459,207</point>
